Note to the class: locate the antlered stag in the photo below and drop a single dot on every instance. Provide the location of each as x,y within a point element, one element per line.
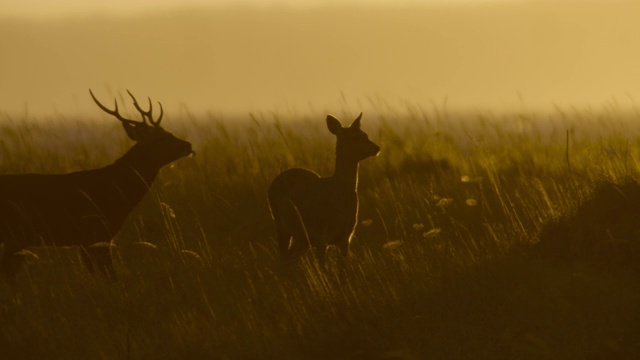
<point>311,211</point>
<point>86,207</point>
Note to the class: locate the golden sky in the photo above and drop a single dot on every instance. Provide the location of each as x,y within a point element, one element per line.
<point>477,55</point>
<point>48,8</point>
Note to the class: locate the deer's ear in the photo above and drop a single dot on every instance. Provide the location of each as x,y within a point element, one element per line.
<point>132,131</point>
<point>356,123</point>
<point>333,124</point>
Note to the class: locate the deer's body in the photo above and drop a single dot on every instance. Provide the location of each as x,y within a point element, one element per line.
<point>79,208</point>
<point>82,208</point>
<point>314,212</point>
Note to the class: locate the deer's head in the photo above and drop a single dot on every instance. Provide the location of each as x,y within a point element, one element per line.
<point>155,146</point>
<point>353,144</point>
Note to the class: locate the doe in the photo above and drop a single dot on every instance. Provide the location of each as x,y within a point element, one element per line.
<point>310,211</point>
<point>86,207</point>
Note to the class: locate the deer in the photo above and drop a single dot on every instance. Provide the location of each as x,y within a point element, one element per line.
<point>85,209</point>
<point>310,211</point>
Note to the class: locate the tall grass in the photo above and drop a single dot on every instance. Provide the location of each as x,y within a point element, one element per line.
<point>445,262</point>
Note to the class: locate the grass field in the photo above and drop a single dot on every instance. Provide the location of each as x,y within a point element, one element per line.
<point>481,236</point>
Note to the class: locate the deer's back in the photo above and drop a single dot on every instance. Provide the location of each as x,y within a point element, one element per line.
<point>290,183</point>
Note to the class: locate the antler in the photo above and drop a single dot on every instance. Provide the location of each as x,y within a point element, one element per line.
<point>146,115</point>
<point>113,112</point>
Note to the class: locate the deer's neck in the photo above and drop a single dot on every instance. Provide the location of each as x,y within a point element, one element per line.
<point>136,171</point>
<point>346,174</point>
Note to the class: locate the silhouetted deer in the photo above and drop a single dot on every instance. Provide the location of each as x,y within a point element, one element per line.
<point>86,207</point>
<point>310,211</point>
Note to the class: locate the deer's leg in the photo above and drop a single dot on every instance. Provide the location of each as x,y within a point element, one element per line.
<point>342,240</point>
<point>99,258</point>
<point>292,236</point>
<point>284,239</point>
<point>283,232</point>
<point>343,247</point>
<point>299,244</point>
<point>320,252</point>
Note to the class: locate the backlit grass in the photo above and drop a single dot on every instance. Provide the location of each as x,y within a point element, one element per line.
<point>445,263</point>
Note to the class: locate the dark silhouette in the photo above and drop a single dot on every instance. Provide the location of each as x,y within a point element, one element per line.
<point>87,207</point>
<point>310,211</point>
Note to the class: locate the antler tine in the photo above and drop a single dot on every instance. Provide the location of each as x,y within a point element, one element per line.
<point>146,115</point>
<point>113,112</point>
<point>157,123</point>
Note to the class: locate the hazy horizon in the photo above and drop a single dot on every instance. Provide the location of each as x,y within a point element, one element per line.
<point>491,56</point>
